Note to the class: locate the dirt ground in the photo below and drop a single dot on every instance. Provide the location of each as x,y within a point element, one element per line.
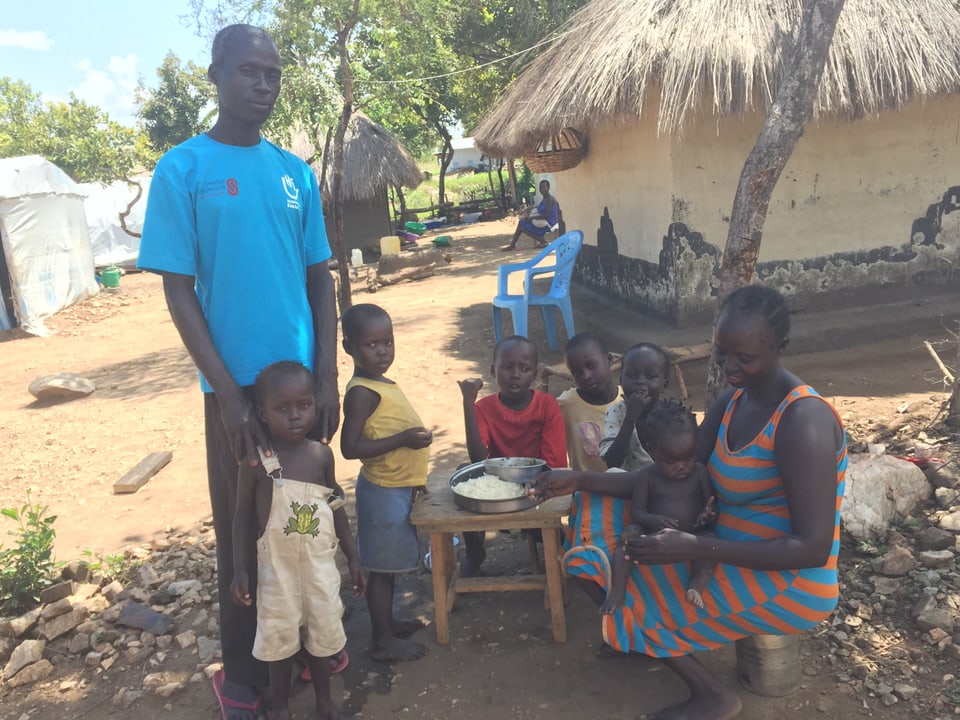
<point>502,661</point>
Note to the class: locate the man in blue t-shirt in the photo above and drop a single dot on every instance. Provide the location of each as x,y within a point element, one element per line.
<point>234,226</point>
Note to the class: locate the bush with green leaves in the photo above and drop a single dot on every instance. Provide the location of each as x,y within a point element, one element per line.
<point>110,566</point>
<point>28,567</point>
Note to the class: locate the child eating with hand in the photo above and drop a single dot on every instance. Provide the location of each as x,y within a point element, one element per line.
<point>298,510</point>
<point>643,375</point>
<point>516,422</point>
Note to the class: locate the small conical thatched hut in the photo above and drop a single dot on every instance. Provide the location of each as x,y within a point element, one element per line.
<point>670,97</point>
<point>373,160</point>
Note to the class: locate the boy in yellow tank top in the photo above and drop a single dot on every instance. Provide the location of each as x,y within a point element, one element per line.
<point>382,430</point>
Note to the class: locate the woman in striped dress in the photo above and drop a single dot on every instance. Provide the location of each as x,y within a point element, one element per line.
<point>776,455</point>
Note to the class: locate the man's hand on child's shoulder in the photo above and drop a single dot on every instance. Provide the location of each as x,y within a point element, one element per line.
<point>417,438</point>
<point>469,388</point>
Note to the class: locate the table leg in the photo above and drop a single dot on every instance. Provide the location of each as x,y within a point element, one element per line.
<point>551,562</point>
<point>441,548</point>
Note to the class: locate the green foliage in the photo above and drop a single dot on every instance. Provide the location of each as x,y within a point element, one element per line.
<point>19,106</point>
<point>111,566</point>
<point>179,107</point>
<point>458,189</point>
<point>27,568</point>
<point>78,137</point>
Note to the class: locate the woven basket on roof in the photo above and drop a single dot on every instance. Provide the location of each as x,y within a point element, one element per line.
<point>561,152</point>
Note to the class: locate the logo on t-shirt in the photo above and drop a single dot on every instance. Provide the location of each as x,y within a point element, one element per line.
<point>292,192</point>
<point>217,187</point>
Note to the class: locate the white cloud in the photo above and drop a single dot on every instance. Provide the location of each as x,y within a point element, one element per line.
<point>31,40</point>
<point>112,89</point>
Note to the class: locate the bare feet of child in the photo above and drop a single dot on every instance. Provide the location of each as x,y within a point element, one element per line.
<point>694,598</point>
<point>398,649</point>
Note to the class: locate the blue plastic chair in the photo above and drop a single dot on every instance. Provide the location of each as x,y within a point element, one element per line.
<point>565,248</point>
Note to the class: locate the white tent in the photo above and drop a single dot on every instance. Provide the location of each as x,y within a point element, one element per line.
<point>112,245</point>
<point>47,261</point>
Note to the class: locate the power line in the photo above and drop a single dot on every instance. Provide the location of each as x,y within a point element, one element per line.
<point>466,70</point>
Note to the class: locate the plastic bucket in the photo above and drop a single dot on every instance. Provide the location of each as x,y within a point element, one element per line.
<point>441,241</point>
<point>110,277</point>
<point>389,245</point>
<point>769,665</point>
<point>415,227</point>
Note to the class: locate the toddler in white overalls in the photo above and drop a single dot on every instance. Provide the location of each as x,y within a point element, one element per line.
<point>293,503</point>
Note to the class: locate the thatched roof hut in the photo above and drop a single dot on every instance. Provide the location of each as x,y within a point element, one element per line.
<point>670,97</point>
<point>722,55</point>
<point>373,159</point>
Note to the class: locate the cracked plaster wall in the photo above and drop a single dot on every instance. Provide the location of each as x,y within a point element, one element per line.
<point>861,206</point>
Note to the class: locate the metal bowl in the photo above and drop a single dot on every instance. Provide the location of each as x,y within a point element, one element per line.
<point>485,506</point>
<point>515,469</point>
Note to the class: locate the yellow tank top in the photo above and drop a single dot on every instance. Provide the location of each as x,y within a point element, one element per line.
<point>403,467</point>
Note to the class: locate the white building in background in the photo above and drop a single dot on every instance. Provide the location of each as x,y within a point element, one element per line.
<point>465,156</point>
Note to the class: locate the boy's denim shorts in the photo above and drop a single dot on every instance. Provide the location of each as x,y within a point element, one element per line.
<point>386,539</point>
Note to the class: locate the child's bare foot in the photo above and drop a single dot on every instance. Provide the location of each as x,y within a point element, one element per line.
<point>398,649</point>
<point>406,628</point>
<point>612,604</point>
<point>694,598</point>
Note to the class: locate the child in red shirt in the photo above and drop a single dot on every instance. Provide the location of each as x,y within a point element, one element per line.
<point>516,422</point>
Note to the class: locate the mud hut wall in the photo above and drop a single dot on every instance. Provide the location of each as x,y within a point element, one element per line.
<point>627,169</point>
<point>628,173</point>
<point>861,205</point>
<point>364,223</point>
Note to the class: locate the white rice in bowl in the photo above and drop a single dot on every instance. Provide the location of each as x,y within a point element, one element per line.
<point>488,487</point>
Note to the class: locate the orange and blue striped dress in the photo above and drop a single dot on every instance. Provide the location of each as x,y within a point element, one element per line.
<point>656,618</point>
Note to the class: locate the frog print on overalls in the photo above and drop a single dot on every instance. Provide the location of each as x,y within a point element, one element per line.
<point>304,520</point>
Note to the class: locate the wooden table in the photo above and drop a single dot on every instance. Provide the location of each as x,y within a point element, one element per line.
<point>436,514</point>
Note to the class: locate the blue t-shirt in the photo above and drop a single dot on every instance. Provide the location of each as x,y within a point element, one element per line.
<point>246,223</point>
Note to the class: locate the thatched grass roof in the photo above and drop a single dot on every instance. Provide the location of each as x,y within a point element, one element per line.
<point>720,57</point>
<point>374,159</point>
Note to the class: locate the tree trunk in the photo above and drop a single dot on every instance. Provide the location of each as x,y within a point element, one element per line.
<point>953,408</point>
<point>403,202</point>
<point>784,125</point>
<point>493,190</point>
<point>325,165</point>
<point>126,213</point>
<point>336,176</point>
<point>446,157</point>
<point>502,199</point>
<point>512,174</point>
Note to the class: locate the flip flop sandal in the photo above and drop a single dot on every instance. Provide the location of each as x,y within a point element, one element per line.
<point>255,707</point>
<point>337,665</point>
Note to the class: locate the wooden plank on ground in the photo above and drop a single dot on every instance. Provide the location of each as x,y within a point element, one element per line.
<point>138,476</point>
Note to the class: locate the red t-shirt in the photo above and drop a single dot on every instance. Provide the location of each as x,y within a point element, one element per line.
<point>536,431</point>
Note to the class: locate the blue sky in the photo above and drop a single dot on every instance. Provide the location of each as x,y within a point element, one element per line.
<point>98,49</point>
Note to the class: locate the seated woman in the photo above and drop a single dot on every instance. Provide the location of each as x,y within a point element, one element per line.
<point>776,454</point>
<point>539,220</point>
